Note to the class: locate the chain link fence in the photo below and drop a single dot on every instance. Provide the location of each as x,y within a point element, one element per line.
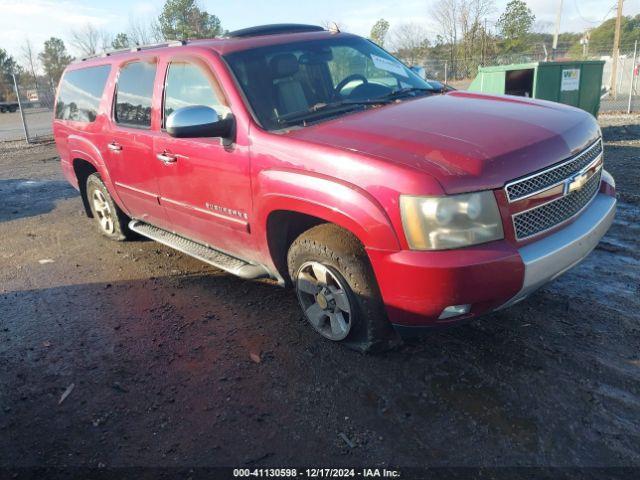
<point>36,109</point>
<point>27,108</point>
<point>461,72</point>
<point>27,112</point>
<point>626,97</point>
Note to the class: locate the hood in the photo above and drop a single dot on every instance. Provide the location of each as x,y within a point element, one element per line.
<point>466,141</point>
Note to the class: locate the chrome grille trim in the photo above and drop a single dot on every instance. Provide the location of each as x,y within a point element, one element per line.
<point>555,175</point>
<point>542,218</point>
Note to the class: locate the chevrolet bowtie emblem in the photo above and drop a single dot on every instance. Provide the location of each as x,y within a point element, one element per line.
<point>576,182</point>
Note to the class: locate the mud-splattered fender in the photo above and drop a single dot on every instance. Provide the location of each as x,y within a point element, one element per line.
<point>326,198</point>
<point>83,149</point>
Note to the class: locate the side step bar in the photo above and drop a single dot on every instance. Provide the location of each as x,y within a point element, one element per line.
<point>201,252</point>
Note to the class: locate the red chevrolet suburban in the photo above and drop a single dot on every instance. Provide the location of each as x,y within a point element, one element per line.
<point>317,159</point>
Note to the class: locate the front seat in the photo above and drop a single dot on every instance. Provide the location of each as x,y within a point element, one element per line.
<point>288,91</point>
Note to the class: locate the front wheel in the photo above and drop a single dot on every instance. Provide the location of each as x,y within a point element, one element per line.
<point>337,289</point>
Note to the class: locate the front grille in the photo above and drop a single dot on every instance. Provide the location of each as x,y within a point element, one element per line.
<point>554,175</point>
<point>544,217</point>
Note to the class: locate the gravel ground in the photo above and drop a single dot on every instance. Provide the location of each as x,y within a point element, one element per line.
<point>38,122</point>
<point>166,361</point>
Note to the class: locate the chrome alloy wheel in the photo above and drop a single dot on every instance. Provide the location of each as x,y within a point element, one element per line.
<point>324,300</point>
<point>103,211</point>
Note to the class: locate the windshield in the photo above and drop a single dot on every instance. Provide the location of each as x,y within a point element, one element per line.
<point>283,82</point>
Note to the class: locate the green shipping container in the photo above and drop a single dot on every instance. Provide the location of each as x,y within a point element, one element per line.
<point>573,83</point>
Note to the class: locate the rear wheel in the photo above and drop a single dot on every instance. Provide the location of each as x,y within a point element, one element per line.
<point>337,289</point>
<point>111,220</point>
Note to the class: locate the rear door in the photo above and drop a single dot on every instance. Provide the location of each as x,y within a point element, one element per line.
<point>132,162</point>
<point>206,188</point>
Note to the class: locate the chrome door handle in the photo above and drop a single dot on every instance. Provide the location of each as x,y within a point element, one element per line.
<point>166,158</point>
<point>114,147</point>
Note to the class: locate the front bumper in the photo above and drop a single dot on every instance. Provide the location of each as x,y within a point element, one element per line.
<point>550,257</point>
<point>418,286</point>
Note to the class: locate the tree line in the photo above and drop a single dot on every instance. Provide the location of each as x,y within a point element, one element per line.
<point>464,39</point>
<point>179,20</point>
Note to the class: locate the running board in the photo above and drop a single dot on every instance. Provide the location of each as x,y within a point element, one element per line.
<point>201,252</point>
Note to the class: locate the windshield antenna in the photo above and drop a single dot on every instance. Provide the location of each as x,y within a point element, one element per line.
<point>334,28</point>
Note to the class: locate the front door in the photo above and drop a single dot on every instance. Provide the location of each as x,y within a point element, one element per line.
<point>129,143</point>
<point>205,186</point>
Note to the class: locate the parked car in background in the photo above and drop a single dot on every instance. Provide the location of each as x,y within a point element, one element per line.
<point>317,159</point>
<point>435,84</point>
<point>8,107</point>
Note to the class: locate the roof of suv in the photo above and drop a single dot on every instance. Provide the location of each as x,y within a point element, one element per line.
<point>238,40</point>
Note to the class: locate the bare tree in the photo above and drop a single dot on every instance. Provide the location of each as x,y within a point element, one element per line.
<point>331,24</point>
<point>140,32</point>
<point>445,14</point>
<point>90,40</point>
<point>106,39</point>
<point>472,13</point>
<point>30,58</point>
<point>156,31</point>
<point>144,31</point>
<point>461,25</point>
<point>410,41</point>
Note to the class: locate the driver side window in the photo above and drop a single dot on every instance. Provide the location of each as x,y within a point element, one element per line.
<point>192,83</point>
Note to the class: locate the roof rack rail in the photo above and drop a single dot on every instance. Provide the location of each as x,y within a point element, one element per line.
<point>274,29</point>
<point>172,43</point>
<point>137,48</point>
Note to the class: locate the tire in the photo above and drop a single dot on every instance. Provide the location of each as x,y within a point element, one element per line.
<point>111,220</point>
<point>337,289</point>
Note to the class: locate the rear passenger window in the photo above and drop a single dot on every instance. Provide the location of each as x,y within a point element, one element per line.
<point>192,83</point>
<point>80,93</point>
<point>134,93</point>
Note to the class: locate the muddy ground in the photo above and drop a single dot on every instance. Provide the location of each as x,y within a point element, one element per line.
<point>159,347</point>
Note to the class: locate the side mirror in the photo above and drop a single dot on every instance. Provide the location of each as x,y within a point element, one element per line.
<point>198,121</point>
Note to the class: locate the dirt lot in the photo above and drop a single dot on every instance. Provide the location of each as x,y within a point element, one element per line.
<point>158,349</point>
<point>38,123</point>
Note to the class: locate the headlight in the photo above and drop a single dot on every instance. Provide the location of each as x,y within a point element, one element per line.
<point>439,223</point>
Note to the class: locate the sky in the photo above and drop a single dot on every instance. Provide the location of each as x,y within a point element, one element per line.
<point>41,19</point>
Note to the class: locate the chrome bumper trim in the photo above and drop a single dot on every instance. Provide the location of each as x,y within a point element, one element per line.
<point>550,257</point>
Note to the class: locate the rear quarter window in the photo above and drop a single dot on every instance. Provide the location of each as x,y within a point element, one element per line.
<point>80,93</point>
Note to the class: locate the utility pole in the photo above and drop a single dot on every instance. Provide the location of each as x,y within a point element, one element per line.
<point>557,31</point>
<point>24,122</point>
<point>613,86</point>
<point>633,71</point>
<point>484,42</point>
<point>584,41</point>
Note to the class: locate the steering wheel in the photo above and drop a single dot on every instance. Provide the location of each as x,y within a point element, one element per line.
<point>345,81</point>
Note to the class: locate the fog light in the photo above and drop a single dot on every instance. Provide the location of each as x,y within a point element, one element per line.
<point>454,311</point>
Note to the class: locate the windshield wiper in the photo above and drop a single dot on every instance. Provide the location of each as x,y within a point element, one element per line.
<point>402,92</point>
<point>321,109</point>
